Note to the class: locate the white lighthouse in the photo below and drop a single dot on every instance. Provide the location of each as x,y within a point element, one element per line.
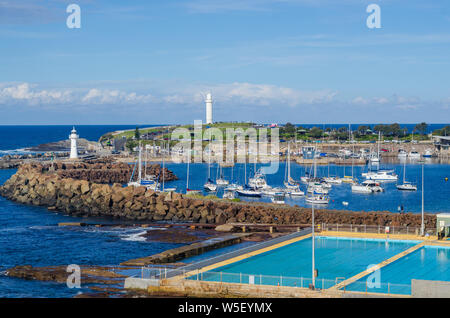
<point>208,102</point>
<point>73,144</point>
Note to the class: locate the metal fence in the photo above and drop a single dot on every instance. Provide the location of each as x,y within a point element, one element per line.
<point>363,286</point>
<point>379,229</point>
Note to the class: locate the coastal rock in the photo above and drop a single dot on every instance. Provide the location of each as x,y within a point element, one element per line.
<point>35,184</point>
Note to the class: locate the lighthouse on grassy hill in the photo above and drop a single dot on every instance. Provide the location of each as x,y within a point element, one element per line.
<point>73,144</point>
<point>208,102</point>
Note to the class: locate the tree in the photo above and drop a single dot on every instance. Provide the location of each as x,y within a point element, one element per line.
<point>421,128</point>
<point>315,132</point>
<point>289,128</point>
<point>442,132</point>
<point>137,133</point>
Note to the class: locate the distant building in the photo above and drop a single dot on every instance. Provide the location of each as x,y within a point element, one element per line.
<point>442,143</point>
<point>120,144</point>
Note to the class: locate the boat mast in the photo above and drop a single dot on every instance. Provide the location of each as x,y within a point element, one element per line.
<point>289,163</point>
<point>187,178</point>
<point>140,164</point>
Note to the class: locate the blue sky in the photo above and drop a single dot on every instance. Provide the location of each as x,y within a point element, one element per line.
<point>149,62</point>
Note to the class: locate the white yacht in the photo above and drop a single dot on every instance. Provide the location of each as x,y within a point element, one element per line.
<point>228,195</point>
<point>210,186</point>
<point>368,186</point>
<point>278,198</point>
<point>402,153</point>
<point>414,154</point>
<point>317,198</point>
<point>333,180</point>
<point>381,175</point>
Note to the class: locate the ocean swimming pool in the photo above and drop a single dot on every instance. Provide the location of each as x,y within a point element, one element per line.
<point>427,263</point>
<point>291,265</point>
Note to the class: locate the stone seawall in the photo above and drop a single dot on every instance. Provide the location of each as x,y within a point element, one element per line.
<point>33,184</point>
<point>106,172</point>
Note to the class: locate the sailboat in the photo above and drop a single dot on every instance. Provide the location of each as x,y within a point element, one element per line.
<point>332,179</point>
<point>187,178</point>
<point>248,191</point>
<point>289,183</point>
<point>316,193</point>
<point>221,181</point>
<point>209,185</point>
<point>145,182</point>
<point>406,186</point>
<point>233,186</point>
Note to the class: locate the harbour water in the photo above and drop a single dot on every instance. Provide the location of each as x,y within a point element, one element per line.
<point>30,235</point>
<point>437,190</point>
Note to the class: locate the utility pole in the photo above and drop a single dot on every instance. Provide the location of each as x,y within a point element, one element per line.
<point>422,227</point>
<point>313,256</point>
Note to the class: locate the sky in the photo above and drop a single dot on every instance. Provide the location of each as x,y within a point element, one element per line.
<point>266,61</point>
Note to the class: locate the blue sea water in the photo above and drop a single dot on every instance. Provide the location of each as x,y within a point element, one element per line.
<point>29,235</point>
<point>13,138</point>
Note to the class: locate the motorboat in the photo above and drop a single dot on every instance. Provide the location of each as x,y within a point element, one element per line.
<point>249,192</point>
<point>402,153</point>
<point>295,193</point>
<point>381,175</point>
<point>228,195</point>
<point>414,155</point>
<point>317,198</point>
<point>428,153</point>
<point>407,186</point>
<point>368,186</point>
<point>333,180</point>
<point>278,198</point>
<point>233,187</point>
<point>210,186</point>
<point>258,181</point>
<point>317,188</point>
<point>347,179</point>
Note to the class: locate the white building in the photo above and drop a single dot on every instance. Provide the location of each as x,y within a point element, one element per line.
<point>208,101</point>
<point>73,144</point>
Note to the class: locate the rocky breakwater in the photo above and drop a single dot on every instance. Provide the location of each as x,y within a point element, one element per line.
<point>105,172</point>
<point>33,184</point>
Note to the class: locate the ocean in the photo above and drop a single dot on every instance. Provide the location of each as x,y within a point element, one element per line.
<point>30,235</point>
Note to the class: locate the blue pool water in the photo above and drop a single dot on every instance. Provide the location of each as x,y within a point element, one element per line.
<point>428,263</point>
<point>334,257</point>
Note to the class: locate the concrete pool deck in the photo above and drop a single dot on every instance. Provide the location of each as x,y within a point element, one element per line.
<point>180,279</point>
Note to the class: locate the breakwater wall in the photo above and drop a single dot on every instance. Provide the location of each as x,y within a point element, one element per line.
<point>107,172</point>
<point>33,184</point>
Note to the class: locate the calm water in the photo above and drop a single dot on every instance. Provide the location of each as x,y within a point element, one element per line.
<point>334,257</point>
<point>29,235</point>
<point>437,190</point>
<point>428,263</point>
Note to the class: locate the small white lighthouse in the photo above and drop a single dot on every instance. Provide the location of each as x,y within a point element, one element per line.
<point>73,144</point>
<point>208,102</point>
